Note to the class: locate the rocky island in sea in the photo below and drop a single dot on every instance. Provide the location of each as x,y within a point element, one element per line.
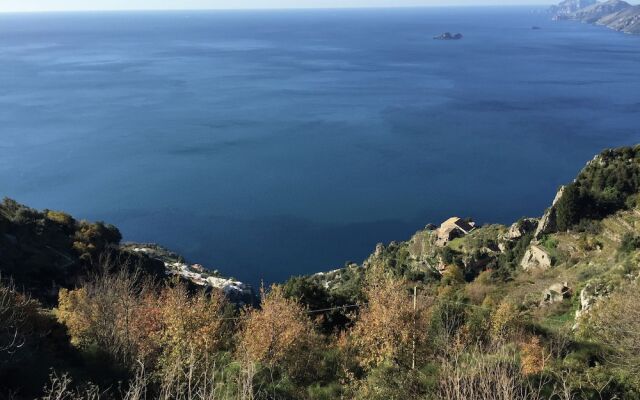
<point>449,36</point>
<point>614,14</point>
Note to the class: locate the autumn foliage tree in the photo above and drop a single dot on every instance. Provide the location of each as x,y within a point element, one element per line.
<point>102,313</point>
<point>133,320</point>
<point>532,356</point>
<point>188,330</point>
<point>505,321</point>
<point>389,327</point>
<point>279,334</point>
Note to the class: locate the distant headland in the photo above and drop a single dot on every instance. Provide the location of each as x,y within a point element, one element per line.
<point>614,14</point>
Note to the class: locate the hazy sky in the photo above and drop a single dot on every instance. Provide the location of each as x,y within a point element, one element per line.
<point>62,5</point>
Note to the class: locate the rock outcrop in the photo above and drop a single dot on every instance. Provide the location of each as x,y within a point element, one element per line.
<point>535,258</point>
<point>518,229</point>
<point>548,223</point>
<point>589,296</point>
<point>449,36</point>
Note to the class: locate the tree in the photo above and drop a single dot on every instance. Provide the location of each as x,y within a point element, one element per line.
<point>569,208</point>
<point>389,325</point>
<point>505,321</point>
<point>183,334</point>
<point>16,315</point>
<point>190,322</point>
<point>468,374</point>
<point>102,312</point>
<point>278,335</point>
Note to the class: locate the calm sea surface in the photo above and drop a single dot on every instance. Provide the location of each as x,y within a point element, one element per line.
<point>273,143</point>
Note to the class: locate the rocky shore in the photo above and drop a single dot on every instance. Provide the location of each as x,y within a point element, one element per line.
<point>236,291</point>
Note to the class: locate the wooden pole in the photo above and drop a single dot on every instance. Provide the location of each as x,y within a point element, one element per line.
<point>415,308</point>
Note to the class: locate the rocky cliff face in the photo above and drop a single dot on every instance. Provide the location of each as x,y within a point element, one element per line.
<point>594,13</point>
<point>566,8</point>
<point>626,20</point>
<point>518,229</point>
<point>614,14</point>
<point>547,223</point>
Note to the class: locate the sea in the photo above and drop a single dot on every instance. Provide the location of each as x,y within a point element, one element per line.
<point>267,144</point>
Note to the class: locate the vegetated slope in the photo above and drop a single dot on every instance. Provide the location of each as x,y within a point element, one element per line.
<point>545,308</point>
<point>570,276</point>
<point>45,250</point>
<point>587,239</point>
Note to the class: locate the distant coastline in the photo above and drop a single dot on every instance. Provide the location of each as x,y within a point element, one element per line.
<point>614,14</point>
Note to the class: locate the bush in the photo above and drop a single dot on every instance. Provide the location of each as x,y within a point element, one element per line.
<point>60,218</point>
<point>314,296</point>
<point>280,336</point>
<point>629,243</point>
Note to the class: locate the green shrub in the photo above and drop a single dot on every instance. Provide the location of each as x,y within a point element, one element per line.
<point>328,392</point>
<point>629,243</point>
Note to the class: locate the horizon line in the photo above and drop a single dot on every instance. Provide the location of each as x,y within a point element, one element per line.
<point>90,10</point>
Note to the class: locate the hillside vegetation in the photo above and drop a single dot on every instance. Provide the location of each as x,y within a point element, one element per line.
<point>546,308</point>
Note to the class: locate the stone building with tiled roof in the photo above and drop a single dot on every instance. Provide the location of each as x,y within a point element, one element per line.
<point>453,228</point>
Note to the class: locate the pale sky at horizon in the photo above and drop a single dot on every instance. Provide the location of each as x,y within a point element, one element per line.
<point>82,5</point>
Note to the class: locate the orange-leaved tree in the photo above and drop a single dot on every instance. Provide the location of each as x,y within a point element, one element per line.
<point>102,313</point>
<point>188,330</point>
<point>392,325</point>
<point>191,321</point>
<point>279,334</point>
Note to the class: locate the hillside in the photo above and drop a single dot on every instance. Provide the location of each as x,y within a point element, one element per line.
<point>545,308</point>
<point>577,242</point>
<point>614,14</point>
<point>626,20</point>
<point>43,251</point>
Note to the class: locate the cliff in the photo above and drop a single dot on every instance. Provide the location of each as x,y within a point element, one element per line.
<point>598,11</point>
<point>614,14</point>
<point>626,20</point>
<point>567,7</point>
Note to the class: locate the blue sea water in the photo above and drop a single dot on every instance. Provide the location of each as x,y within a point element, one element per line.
<point>271,143</point>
